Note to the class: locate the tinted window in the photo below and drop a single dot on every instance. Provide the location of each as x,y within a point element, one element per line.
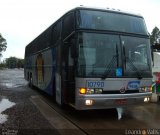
<point>98,53</point>
<point>68,25</point>
<point>56,32</point>
<point>137,55</point>
<point>111,21</point>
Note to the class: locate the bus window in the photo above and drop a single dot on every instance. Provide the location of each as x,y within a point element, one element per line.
<point>110,21</point>
<point>68,25</point>
<point>137,53</point>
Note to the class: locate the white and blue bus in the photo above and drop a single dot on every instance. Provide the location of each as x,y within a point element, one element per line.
<point>92,59</point>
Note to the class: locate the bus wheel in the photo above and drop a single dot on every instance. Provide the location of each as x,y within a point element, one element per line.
<point>31,82</point>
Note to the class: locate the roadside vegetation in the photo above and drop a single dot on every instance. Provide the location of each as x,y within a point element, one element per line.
<point>3,44</point>
<point>12,62</point>
<point>2,66</point>
<point>155,36</point>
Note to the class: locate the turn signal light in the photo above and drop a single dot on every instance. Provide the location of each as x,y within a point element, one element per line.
<point>151,88</point>
<point>82,90</point>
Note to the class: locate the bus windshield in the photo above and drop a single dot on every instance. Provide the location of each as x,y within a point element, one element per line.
<point>101,20</point>
<point>137,55</point>
<point>101,54</point>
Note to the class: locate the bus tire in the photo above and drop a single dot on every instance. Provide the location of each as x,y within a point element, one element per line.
<point>31,82</point>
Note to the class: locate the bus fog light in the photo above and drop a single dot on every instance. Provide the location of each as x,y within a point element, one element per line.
<point>146,99</point>
<point>89,102</point>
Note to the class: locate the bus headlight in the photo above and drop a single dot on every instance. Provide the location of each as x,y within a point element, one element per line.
<point>145,89</point>
<point>90,91</point>
<point>98,91</point>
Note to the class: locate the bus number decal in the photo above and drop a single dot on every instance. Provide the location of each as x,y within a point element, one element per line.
<point>95,84</point>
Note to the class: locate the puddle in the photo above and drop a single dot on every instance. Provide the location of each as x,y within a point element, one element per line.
<point>4,105</point>
<point>120,112</point>
<point>12,85</point>
<point>3,118</point>
<point>9,85</point>
<point>6,84</point>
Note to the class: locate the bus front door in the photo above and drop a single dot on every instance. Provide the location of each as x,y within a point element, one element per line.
<point>68,83</point>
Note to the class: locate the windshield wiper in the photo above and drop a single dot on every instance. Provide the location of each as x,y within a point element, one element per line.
<point>133,67</point>
<point>109,67</point>
<point>111,64</point>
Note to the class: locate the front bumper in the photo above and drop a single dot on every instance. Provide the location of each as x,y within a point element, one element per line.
<point>104,101</point>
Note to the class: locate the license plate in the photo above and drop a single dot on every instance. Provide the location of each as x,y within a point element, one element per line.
<point>121,101</point>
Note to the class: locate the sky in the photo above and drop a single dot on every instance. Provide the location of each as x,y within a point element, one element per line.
<point>23,20</point>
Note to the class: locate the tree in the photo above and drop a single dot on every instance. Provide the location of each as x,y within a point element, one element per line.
<point>3,45</point>
<point>13,62</point>
<point>154,35</point>
<point>20,63</point>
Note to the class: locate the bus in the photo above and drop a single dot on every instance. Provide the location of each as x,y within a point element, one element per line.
<point>92,58</point>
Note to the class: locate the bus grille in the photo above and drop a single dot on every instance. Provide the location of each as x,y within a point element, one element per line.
<point>118,92</point>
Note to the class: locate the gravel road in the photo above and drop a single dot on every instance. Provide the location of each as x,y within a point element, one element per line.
<point>18,115</point>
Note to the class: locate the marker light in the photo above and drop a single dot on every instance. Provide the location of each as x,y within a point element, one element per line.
<point>82,90</point>
<point>151,88</point>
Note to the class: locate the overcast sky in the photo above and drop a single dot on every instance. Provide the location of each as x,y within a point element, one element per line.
<point>23,20</point>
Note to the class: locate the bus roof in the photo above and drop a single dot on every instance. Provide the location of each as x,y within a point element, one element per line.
<point>107,10</point>
<point>95,9</point>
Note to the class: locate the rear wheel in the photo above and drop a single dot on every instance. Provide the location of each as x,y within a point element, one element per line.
<point>31,81</point>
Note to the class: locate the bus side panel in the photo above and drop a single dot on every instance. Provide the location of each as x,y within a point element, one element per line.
<point>42,67</point>
<point>51,58</point>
